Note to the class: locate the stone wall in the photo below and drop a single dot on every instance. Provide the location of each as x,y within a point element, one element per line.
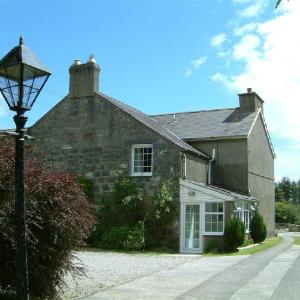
<point>92,137</point>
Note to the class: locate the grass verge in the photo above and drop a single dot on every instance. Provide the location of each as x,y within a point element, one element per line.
<point>296,240</point>
<point>268,243</point>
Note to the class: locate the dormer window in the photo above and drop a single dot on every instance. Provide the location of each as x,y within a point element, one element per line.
<point>142,160</point>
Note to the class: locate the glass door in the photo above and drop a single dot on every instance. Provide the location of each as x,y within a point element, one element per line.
<point>192,226</point>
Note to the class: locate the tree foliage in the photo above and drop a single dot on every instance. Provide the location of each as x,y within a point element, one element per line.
<point>258,228</point>
<point>288,190</point>
<point>129,219</point>
<point>286,212</point>
<point>234,234</point>
<point>58,220</point>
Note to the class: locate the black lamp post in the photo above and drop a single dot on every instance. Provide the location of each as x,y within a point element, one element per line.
<point>22,77</point>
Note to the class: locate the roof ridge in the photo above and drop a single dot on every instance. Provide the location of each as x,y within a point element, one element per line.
<point>195,111</point>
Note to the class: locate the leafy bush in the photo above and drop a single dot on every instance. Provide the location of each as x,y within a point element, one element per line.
<point>58,219</point>
<point>248,241</point>
<point>163,203</point>
<point>286,212</point>
<point>258,228</point>
<point>213,246</point>
<point>234,234</point>
<point>124,238</point>
<point>126,208</point>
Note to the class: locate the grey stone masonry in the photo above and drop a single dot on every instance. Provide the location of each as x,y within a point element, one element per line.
<point>84,78</point>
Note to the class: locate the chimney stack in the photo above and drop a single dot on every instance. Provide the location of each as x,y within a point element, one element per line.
<point>250,102</point>
<point>84,78</point>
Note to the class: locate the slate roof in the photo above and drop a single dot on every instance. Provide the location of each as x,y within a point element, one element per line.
<point>154,125</point>
<point>220,123</point>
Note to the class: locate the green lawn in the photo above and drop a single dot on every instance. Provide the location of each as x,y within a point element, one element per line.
<point>296,240</point>
<point>268,243</point>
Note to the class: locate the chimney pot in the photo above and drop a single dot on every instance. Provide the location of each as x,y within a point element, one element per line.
<point>92,59</point>
<point>249,90</point>
<point>76,62</point>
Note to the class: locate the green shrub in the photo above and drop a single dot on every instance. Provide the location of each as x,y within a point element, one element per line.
<point>164,203</point>
<point>286,212</point>
<point>258,228</point>
<point>234,234</point>
<point>136,238</point>
<point>58,220</point>
<point>124,238</point>
<point>248,241</point>
<point>213,246</point>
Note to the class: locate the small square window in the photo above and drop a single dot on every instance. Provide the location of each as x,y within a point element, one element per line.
<point>142,160</point>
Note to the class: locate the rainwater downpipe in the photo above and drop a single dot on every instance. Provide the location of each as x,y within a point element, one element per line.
<point>213,158</point>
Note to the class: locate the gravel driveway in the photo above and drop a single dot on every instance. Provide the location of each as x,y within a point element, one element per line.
<point>106,269</point>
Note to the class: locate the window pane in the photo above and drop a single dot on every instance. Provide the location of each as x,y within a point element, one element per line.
<point>220,227</point>
<point>208,227</point>
<point>208,207</point>
<point>207,218</point>
<point>220,207</point>
<point>214,227</point>
<point>214,207</point>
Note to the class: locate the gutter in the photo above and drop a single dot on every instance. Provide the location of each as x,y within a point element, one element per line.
<point>209,176</point>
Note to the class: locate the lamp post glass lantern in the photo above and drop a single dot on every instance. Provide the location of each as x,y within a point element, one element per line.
<point>22,77</point>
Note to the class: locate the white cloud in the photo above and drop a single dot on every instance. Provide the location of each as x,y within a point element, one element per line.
<point>247,47</point>
<point>188,73</point>
<point>195,64</point>
<point>218,40</point>
<point>223,53</point>
<point>219,77</point>
<point>286,162</point>
<point>271,59</point>
<point>253,10</point>
<point>198,62</point>
<point>245,29</point>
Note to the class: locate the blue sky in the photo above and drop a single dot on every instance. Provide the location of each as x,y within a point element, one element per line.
<point>170,56</point>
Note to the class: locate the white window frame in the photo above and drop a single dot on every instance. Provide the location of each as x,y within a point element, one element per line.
<point>242,213</point>
<point>139,146</point>
<point>214,213</point>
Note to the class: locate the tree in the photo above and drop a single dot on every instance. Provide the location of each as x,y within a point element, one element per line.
<point>286,212</point>
<point>58,220</point>
<point>288,190</point>
<point>234,234</point>
<point>278,3</point>
<point>258,228</point>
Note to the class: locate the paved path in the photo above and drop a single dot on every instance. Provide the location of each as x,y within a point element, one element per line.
<point>271,274</point>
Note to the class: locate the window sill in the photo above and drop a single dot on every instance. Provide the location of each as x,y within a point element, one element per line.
<point>141,175</point>
<point>213,233</point>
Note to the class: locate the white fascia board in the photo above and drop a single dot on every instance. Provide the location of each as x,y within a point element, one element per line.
<point>260,113</point>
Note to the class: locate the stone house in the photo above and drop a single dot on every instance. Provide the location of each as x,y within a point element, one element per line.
<point>221,161</point>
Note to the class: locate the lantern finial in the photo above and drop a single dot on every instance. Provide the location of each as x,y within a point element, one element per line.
<point>21,41</point>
